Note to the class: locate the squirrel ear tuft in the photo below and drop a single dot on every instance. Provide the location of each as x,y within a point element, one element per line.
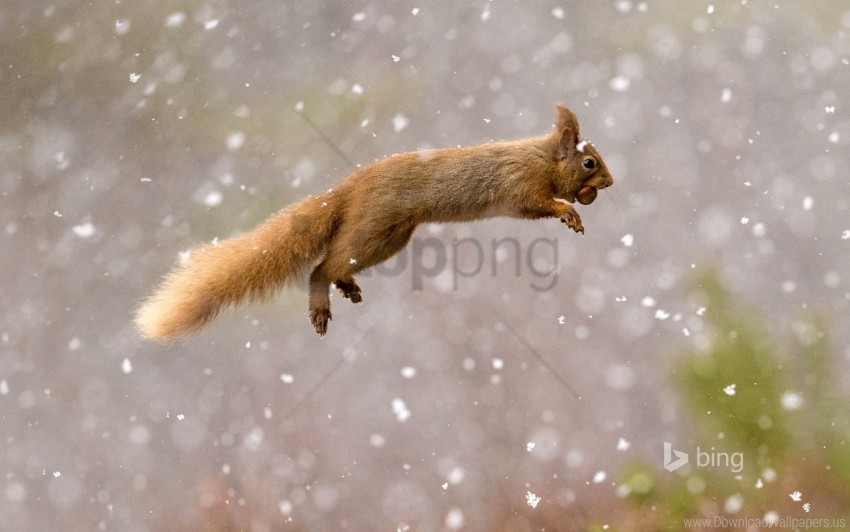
<point>566,119</point>
<point>567,128</point>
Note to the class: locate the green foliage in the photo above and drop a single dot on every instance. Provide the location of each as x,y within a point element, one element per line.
<point>741,354</point>
<point>785,415</point>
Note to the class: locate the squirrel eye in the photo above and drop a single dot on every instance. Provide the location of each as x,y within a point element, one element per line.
<point>589,163</point>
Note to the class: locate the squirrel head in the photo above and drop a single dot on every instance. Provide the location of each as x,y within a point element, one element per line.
<point>581,168</point>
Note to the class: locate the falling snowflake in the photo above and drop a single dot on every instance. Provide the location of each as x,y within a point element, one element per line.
<point>83,230</point>
<point>620,83</point>
<point>400,410</point>
<point>729,390</point>
<point>531,499</point>
<point>134,77</point>
<point>530,446</point>
<point>807,507</point>
<point>791,401</point>
<point>400,122</point>
<point>796,496</point>
<point>623,445</point>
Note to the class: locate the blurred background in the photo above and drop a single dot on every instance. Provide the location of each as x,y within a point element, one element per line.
<point>706,306</point>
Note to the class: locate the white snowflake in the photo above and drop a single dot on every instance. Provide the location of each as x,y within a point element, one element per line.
<point>400,121</point>
<point>729,390</point>
<point>83,230</point>
<point>620,83</point>
<point>531,499</point>
<point>796,496</point>
<point>791,401</point>
<point>400,410</point>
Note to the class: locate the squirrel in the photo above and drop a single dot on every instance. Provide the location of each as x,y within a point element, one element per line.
<point>370,216</point>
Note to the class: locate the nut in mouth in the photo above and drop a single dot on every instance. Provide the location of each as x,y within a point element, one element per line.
<point>586,195</point>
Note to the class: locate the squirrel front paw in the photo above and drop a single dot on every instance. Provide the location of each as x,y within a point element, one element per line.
<point>573,221</point>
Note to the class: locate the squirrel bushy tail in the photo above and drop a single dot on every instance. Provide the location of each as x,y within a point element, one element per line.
<point>249,267</point>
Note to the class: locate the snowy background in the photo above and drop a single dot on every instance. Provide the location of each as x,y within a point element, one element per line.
<point>130,131</point>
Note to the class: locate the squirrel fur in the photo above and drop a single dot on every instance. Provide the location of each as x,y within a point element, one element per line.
<point>370,216</point>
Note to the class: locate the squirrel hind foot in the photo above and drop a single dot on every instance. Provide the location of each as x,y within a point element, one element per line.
<point>349,290</point>
<point>319,317</point>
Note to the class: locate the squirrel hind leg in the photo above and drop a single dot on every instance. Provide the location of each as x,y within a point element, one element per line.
<point>320,301</point>
<point>349,289</point>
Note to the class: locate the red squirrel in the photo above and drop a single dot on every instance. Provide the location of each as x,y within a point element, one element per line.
<point>369,217</point>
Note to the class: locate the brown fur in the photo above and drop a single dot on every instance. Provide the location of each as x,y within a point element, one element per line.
<point>369,217</point>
